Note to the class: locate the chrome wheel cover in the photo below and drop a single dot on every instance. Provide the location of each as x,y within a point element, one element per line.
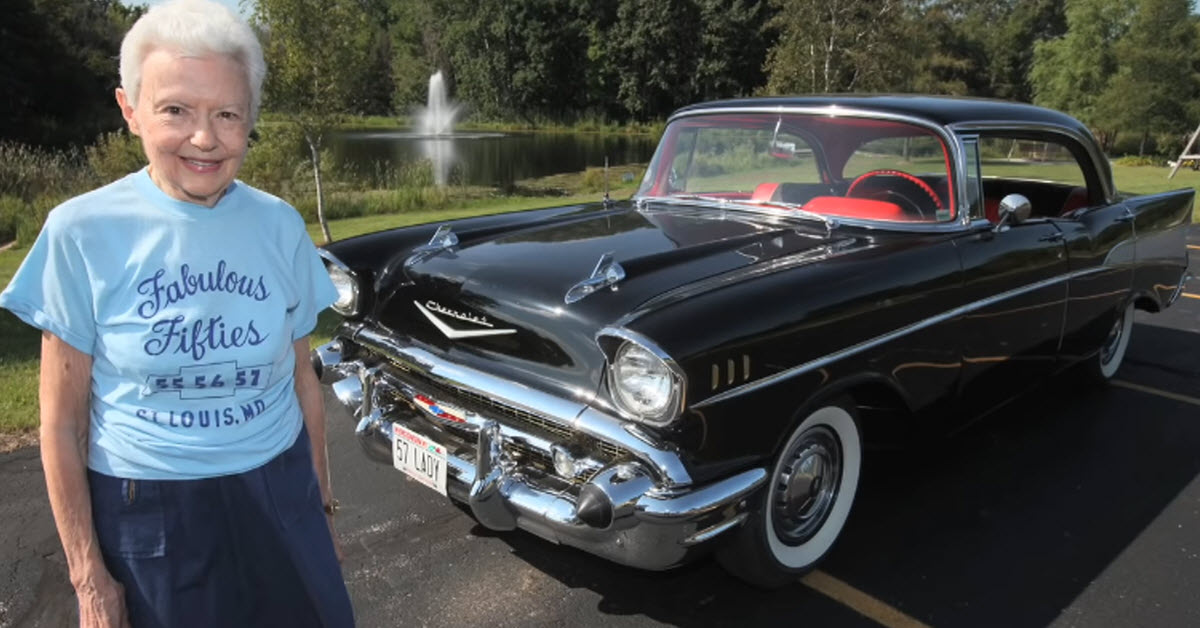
<point>1113,341</point>
<point>806,485</point>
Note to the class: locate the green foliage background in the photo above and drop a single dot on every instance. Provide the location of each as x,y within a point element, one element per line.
<point>1122,66</point>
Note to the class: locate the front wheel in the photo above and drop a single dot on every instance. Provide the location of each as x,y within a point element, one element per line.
<point>799,515</point>
<point>1112,353</point>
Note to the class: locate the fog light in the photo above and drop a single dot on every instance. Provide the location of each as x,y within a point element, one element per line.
<point>564,462</point>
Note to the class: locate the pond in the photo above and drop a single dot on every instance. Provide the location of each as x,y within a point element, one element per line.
<point>491,159</point>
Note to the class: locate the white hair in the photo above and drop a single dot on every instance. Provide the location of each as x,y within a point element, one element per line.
<point>194,28</point>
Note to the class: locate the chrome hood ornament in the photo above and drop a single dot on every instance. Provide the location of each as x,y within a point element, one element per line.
<point>443,239</point>
<point>431,310</point>
<point>608,273</point>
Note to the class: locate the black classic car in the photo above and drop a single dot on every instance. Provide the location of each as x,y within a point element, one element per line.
<point>703,365</point>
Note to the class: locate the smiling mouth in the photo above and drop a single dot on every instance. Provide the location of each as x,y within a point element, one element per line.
<point>201,166</point>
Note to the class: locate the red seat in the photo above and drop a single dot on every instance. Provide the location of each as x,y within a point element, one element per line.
<point>856,208</point>
<point>991,209</point>
<point>764,191</point>
<point>1076,199</point>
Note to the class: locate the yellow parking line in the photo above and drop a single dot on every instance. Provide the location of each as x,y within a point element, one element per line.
<point>1156,392</point>
<point>1194,246</point>
<point>1190,295</point>
<point>865,605</point>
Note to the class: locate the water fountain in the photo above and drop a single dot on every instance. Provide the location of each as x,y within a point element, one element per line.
<point>437,118</point>
<point>475,157</point>
<point>435,127</point>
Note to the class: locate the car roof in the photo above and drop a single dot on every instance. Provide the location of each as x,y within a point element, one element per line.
<point>941,110</point>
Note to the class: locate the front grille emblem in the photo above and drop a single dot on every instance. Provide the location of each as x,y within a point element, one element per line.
<point>431,309</point>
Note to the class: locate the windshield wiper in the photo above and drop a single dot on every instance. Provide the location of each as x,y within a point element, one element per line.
<point>831,223</point>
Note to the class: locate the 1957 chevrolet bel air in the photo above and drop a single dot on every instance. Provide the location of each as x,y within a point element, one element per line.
<point>703,365</point>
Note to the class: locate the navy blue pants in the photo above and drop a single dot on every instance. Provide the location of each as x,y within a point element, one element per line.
<point>251,549</point>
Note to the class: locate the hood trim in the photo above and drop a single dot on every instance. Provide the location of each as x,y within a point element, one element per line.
<point>455,334</point>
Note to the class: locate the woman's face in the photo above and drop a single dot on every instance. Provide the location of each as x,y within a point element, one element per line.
<point>193,115</point>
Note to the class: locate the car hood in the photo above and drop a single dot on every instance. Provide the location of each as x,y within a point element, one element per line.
<point>503,296</point>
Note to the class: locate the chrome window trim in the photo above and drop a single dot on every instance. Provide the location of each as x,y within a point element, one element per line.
<point>333,260</point>
<point>892,335</point>
<point>1088,143</point>
<point>949,138</point>
<point>969,169</point>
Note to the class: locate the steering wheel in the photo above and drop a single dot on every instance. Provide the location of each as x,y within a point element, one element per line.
<point>922,188</point>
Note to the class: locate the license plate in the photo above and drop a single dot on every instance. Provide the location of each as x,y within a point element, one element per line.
<point>419,458</point>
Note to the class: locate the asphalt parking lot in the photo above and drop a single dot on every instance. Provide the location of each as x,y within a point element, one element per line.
<point>1071,507</point>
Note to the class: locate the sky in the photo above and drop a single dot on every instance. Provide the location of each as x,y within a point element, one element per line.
<point>232,4</point>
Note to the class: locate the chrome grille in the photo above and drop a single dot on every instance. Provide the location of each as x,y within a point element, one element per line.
<point>521,419</point>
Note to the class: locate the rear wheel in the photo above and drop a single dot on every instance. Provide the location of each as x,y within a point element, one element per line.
<point>1112,353</point>
<point>796,519</point>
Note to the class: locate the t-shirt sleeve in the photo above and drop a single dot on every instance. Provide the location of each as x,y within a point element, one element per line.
<point>52,288</point>
<point>316,289</point>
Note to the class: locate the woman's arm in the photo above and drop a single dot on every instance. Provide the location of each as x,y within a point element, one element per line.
<point>312,405</point>
<point>64,394</point>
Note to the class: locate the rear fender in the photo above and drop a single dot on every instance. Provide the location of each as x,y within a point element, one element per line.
<point>1160,225</point>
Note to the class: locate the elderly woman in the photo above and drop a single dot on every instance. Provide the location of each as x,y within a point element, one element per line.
<point>182,427</point>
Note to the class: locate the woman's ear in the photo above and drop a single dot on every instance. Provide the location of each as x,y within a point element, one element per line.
<point>127,110</point>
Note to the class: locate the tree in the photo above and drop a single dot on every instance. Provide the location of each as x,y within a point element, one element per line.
<point>418,31</point>
<point>1000,37</point>
<point>839,46</point>
<point>944,62</point>
<point>1071,72</point>
<point>732,48</point>
<point>655,54</point>
<point>60,68</point>
<point>1155,83</point>
<point>314,49</point>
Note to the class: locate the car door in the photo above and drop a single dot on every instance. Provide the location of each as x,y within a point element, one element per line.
<point>1101,255</point>
<point>1015,271</point>
<point>1014,291</point>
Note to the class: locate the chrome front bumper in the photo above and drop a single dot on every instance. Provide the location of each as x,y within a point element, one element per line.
<point>637,507</point>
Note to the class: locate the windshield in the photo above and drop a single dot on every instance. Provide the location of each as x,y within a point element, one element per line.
<point>832,166</point>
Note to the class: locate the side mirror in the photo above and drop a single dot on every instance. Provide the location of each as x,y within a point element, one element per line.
<point>1014,209</point>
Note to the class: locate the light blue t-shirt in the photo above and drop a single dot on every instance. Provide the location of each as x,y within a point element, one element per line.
<point>189,314</point>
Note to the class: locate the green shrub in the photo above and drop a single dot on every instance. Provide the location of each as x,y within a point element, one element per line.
<point>593,180</point>
<point>33,217</point>
<point>275,162</point>
<point>28,172</point>
<point>115,155</point>
<point>11,210</point>
<point>1134,160</point>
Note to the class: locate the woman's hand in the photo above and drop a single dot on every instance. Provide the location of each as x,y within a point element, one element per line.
<point>337,543</point>
<point>101,601</point>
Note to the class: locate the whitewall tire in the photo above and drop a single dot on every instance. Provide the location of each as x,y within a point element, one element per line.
<point>1112,352</point>
<point>795,520</point>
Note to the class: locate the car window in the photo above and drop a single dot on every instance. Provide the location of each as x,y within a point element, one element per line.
<point>737,160</point>
<point>920,155</point>
<point>1042,169</point>
<point>793,160</point>
<point>1026,159</point>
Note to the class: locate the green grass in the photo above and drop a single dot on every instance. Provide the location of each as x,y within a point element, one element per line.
<point>19,347</point>
<point>19,343</point>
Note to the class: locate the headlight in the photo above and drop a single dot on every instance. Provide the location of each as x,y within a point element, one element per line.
<point>347,290</point>
<point>643,384</point>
